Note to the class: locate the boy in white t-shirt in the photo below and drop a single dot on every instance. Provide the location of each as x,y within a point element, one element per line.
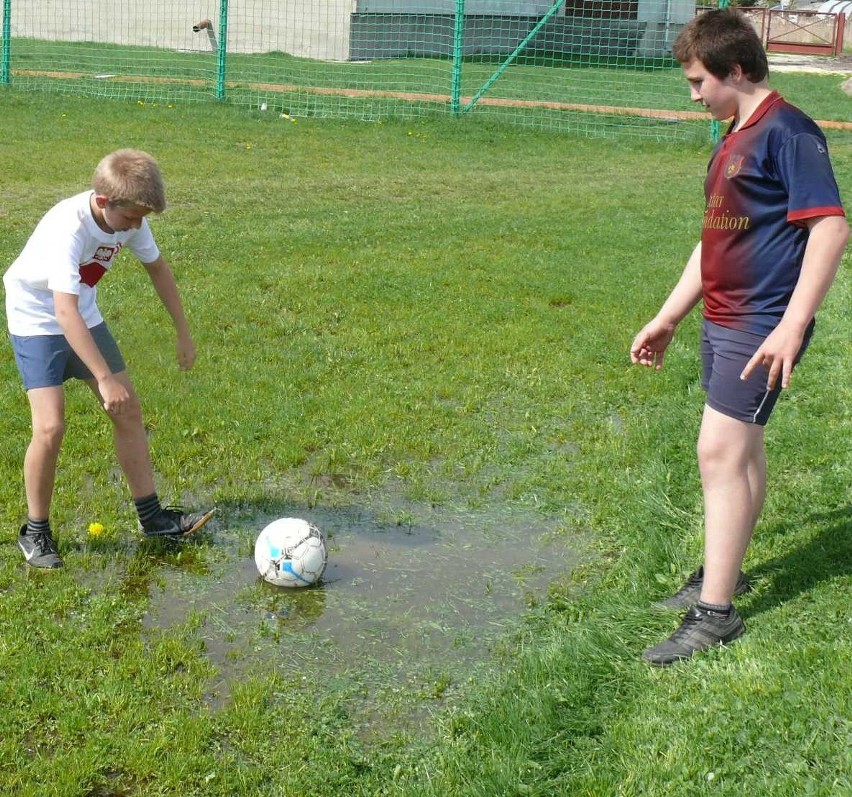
<point>58,333</point>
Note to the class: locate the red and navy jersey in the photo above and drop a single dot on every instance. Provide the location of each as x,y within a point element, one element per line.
<point>763,182</point>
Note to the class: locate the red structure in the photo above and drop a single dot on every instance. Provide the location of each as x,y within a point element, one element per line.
<point>800,32</point>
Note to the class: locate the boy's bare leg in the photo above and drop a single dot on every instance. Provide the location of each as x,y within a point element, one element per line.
<point>732,462</point>
<point>131,442</point>
<point>47,406</point>
<point>131,447</point>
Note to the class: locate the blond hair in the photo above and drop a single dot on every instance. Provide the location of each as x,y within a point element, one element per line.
<point>130,177</point>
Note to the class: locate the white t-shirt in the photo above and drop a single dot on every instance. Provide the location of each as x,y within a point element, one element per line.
<point>69,253</point>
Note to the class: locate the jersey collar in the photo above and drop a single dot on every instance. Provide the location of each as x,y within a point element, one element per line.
<point>758,112</point>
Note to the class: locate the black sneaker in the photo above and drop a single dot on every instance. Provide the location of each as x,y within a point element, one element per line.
<point>700,629</point>
<point>172,521</point>
<point>39,549</point>
<point>690,593</point>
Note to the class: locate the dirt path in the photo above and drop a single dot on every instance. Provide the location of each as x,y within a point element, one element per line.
<point>788,62</point>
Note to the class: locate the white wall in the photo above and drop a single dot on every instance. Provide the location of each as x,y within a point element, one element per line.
<point>307,28</point>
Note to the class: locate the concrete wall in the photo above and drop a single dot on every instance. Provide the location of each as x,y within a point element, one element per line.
<point>664,20</point>
<point>310,29</point>
<point>343,29</point>
<point>529,8</point>
<point>399,35</point>
<point>660,22</point>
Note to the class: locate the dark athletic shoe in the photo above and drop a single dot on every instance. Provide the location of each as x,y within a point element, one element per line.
<point>39,549</point>
<point>690,593</point>
<point>172,521</point>
<point>699,630</point>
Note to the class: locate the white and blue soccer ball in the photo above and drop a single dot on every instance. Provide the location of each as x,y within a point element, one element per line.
<point>291,552</point>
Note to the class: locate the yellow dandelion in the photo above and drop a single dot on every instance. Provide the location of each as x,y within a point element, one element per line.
<point>96,529</point>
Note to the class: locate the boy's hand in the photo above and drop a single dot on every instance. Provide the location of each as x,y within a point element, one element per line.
<point>185,352</point>
<point>114,395</point>
<point>777,354</point>
<point>650,344</point>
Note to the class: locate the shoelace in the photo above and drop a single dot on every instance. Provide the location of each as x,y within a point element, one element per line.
<point>45,544</point>
<point>693,581</point>
<point>689,619</point>
<point>174,511</point>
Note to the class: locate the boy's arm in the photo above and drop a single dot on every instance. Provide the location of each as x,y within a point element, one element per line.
<point>113,394</point>
<point>827,239</point>
<point>650,344</point>
<point>164,284</point>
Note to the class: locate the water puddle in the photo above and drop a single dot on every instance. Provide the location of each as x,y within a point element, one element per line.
<point>406,612</point>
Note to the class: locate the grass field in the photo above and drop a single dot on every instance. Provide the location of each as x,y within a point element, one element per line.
<point>407,325</point>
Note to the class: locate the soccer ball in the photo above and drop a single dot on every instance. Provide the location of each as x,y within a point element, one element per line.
<point>290,552</point>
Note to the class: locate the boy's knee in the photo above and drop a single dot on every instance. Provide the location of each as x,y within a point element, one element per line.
<point>130,415</point>
<point>731,450</point>
<point>49,433</point>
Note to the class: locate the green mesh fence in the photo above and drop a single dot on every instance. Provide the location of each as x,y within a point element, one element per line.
<point>591,66</point>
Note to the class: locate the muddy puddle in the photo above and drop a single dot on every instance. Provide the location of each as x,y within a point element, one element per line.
<point>406,612</point>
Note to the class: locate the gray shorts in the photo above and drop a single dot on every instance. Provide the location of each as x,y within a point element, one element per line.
<point>49,360</point>
<point>724,354</point>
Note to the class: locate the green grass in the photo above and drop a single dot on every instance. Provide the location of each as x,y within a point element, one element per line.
<point>415,315</point>
<point>821,96</point>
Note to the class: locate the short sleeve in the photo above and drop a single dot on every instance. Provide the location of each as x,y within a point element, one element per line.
<point>143,245</point>
<point>805,169</point>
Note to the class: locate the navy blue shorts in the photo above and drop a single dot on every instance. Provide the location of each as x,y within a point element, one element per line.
<point>49,360</point>
<point>724,354</point>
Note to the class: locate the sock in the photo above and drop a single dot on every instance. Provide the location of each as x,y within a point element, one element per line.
<point>147,507</point>
<point>723,609</point>
<point>37,526</point>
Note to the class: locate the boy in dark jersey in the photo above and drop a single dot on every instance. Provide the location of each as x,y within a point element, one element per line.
<point>773,235</point>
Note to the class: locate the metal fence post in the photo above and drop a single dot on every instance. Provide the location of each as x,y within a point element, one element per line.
<point>5,57</point>
<point>222,52</point>
<point>715,125</point>
<point>458,54</point>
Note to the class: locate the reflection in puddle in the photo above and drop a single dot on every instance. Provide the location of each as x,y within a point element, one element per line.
<point>416,607</point>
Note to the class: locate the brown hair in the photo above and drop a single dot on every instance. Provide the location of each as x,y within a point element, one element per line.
<point>721,39</point>
<point>130,177</point>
